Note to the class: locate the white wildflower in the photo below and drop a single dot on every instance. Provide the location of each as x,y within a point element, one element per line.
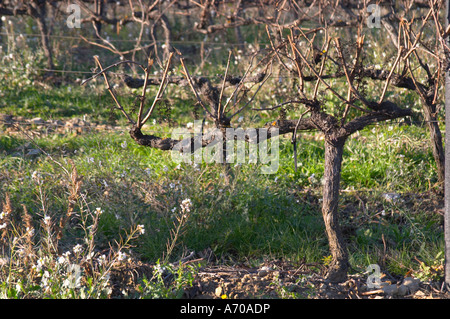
<point>121,256</point>
<point>77,249</point>
<point>98,211</point>
<point>102,260</point>
<point>140,229</point>
<point>35,175</point>
<point>44,280</point>
<point>40,262</point>
<point>160,269</point>
<point>29,231</point>
<point>90,255</point>
<point>3,215</point>
<point>186,205</point>
<point>3,225</point>
<point>47,220</point>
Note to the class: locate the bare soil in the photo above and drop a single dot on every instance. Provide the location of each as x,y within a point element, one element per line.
<point>279,280</point>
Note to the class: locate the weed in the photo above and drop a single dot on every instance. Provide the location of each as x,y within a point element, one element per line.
<point>33,264</point>
<point>167,282</point>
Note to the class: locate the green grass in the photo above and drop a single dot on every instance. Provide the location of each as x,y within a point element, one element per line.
<point>254,215</point>
<point>56,103</point>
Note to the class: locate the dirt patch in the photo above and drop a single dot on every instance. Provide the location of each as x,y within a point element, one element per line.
<point>281,280</point>
<point>288,282</point>
<point>37,126</point>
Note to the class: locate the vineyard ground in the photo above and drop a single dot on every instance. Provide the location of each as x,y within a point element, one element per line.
<point>265,232</point>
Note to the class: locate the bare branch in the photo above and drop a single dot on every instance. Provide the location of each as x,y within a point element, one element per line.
<point>386,84</point>
<point>160,91</point>
<point>251,99</point>
<point>188,77</point>
<point>141,106</point>
<point>219,111</point>
<point>325,83</point>
<point>110,67</point>
<point>111,91</point>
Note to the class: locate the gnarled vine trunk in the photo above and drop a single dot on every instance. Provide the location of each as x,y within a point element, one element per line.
<point>334,148</point>
<point>436,140</point>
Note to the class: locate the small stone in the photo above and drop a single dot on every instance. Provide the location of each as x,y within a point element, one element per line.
<point>419,294</point>
<point>246,278</point>
<point>219,292</point>
<point>264,271</point>
<point>390,289</point>
<point>402,290</point>
<point>323,287</point>
<point>72,123</point>
<point>411,284</point>
<point>33,151</point>
<point>6,118</point>
<point>37,121</point>
<point>391,197</point>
